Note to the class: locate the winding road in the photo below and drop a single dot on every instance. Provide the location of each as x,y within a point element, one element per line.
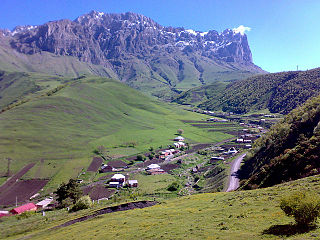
<point>233,180</point>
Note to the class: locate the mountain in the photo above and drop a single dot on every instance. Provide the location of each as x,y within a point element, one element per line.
<point>289,151</point>
<point>277,92</point>
<point>134,49</point>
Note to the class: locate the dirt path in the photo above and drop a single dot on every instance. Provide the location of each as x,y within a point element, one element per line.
<point>233,182</point>
<point>122,207</point>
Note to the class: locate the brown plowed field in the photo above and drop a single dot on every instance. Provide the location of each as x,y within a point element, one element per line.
<point>169,167</point>
<point>14,178</point>
<point>95,164</point>
<point>22,190</point>
<point>98,191</point>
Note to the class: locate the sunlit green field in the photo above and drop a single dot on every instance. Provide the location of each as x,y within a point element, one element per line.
<point>60,132</point>
<point>236,215</point>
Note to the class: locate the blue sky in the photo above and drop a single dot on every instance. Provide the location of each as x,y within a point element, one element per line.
<point>284,33</point>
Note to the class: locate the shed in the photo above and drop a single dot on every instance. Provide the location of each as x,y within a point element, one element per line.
<point>115,184</point>
<point>106,168</point>
<point>44,203</point>
<point>24,208</point>
<point>133,183</point>
<point>179,138</point>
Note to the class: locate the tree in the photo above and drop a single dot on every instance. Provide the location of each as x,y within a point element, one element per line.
<point>180,131</point>
<point>83,203</point>
<point>173,187</point>
<point>70,190</point>
<point>303,206</point>
<point>141,157</point>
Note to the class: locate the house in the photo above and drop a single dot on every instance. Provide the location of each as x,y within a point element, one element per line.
<point>106,168</point>
<point>133,183</point>
<point>153,166</point>
<point>4,213</point>
<point>155,171</point>
<point>247,141</point>
<point>24,208</point>
<point>44,203</point>
<point>248,146</point>
<point>117,165</point>
<point>239,140</point>
<point>179,144</point>
<point>118,178</point>
<point>216,158</point>
<point>179,138</point>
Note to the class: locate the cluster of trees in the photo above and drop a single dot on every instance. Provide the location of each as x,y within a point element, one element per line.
<point>278,92</point>
<point>70,194</point>
<point>290,150</point>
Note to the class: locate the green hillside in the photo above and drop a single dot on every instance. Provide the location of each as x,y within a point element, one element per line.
<point>290,150</point>
<point>60,129</point>
<point>238,215</point>
<point>277,92</point>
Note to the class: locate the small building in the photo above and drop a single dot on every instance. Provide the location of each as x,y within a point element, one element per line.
<point>155,171</point>
<point>115,184</point>
<point>106,168</point>
<point>248,146</point>
<point>239,140</point>
<point>179,144</point>
<point>217,158</point>
<point>118,178</point>
<point>4,213</point>
<point>24,208</point>
<point>153,166</point>
<point>247,141</point>
<point>133,183</point>
<point>44,203</point>
<point>179,139</point>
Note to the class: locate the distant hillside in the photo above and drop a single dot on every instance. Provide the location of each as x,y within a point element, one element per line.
<point>290,150</point>
<point>58,122</point>
<point>278,92</point>
<point>159,60</point>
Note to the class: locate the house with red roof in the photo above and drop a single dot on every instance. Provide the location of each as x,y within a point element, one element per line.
<point>24,208</point>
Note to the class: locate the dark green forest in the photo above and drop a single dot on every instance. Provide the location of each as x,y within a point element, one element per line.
<point>289,151</point>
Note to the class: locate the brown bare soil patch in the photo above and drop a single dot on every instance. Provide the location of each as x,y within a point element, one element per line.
<point>22,190</point>
<point>95,164</point>
<point>169,167</point>
<point>15,177</point>
<point>98,191</point>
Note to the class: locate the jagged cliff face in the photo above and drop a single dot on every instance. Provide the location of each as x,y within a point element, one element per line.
<point>135,47</point>
<point>97,37</point>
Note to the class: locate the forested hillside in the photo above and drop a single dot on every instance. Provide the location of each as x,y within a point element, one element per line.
<point>278,92</point>
<point>290,150</point>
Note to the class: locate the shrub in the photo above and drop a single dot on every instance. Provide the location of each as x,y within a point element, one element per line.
<point>173,187</point>
<point>303,206</point>
<point>180,131</point>
<point>83,203</point>
<point>25,215</point>
<point>141,158</point>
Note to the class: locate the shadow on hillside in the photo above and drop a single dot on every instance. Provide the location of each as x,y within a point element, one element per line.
<point>288,229</point>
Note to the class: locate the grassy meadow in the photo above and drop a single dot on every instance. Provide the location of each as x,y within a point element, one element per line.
<point>253,214</point>
<point>60,131</point>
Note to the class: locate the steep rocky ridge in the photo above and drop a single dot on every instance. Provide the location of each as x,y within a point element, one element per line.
<point>139,51</point>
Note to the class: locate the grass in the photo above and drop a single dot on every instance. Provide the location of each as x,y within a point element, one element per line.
<point>63,129</point>
<point>237,215</point>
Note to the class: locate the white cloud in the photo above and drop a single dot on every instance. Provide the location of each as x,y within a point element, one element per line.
<point>241,29</point>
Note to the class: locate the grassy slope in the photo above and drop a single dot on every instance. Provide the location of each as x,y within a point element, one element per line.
<point>236,215</point>
<point>64,129</point>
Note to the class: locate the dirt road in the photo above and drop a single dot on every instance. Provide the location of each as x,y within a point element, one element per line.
<point>233,180</point>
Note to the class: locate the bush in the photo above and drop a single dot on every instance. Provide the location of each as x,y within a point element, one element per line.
<point>141,158</point>
<point>173,187</point>
<point>25,215</point>
<point>180,131</point>
<point>83,203</point>
<point>303,206</point>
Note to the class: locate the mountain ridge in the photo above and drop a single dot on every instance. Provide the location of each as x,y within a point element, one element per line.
<point>139,51</point>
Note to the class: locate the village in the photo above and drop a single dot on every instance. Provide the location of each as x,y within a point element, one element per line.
<point>187,165</point>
